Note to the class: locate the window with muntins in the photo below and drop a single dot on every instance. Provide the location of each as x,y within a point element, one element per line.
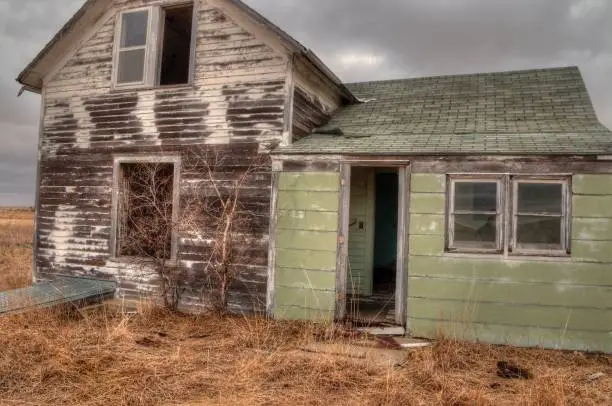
<point>475,216</point>
<point>508,214</point>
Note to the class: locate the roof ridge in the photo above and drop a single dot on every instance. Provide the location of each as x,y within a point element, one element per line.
<point>495,73</point>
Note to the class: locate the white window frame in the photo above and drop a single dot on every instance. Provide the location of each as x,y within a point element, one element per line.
<point>475,247</point>
<point>536,249</point>
<point>144,159</point>
<point>153,48</point>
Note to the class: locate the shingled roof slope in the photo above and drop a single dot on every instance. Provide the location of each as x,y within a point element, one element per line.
<point>545,111</point>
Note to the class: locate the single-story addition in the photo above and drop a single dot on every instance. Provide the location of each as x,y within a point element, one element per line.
<point>477,206</point>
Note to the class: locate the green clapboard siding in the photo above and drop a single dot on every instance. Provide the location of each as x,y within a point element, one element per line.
<point>427,183</point>
<point>307,220</point>
<point>427,224</point>
<point>301,313</point>
<point>515,335</point>
<point>320,182</point>
<point>553,302</point>
<point>592,185</point>
<point>428,203</point>
<point>305,278</point>
<point>515,315</point>
<point>307,240</point>
<point>308,201</point>
<point>306,245</point>
<point>592,206</point>
<point>592,229</point>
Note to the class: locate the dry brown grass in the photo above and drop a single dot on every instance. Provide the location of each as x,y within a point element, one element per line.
<point>16,227</point>
<point>155,358</point>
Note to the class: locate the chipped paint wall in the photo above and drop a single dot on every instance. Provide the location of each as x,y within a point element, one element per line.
<point>236,105</point>
<point>551,302</point>
<point>314,100</point>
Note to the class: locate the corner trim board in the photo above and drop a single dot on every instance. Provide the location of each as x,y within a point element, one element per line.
<point>271,288</point>
<point>342,247</point>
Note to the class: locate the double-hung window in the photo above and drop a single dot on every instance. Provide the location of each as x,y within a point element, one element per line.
<point>153,47</point>
<point>540,216</point>
<point>475,222</point>
<point>508,214</point>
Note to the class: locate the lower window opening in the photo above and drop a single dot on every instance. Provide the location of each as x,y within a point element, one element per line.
<point>145,210</point>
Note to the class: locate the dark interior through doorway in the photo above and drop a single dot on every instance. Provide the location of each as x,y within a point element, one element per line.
<point>374,303</point>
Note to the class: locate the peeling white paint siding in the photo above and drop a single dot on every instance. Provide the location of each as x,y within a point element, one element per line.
<point>61,230</point>
<point>237,101</point>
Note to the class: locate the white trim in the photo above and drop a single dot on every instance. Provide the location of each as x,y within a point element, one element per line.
<point>507,216</point>
<point>152,27</point>
<point>563,249</point>
<point>498,213</point>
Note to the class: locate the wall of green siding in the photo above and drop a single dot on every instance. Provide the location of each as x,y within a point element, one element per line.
<point>553,302</point>
<point>306,245</point>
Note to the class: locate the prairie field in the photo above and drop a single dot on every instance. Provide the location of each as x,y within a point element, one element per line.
<point>150,357</point>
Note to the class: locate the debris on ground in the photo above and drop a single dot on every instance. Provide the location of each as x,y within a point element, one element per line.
<point>510,371</point>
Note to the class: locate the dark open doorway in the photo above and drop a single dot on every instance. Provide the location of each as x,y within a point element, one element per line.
<point>373,246</point>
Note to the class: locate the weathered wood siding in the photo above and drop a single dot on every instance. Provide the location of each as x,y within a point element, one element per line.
<point>306,245</point>
<point>236,104</point>
<point>314,101</point>
<point>553,302</point>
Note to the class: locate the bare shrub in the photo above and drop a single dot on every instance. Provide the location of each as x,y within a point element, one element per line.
<point>213,218</point>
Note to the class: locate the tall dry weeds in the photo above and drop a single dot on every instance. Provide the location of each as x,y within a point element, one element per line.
<point>16,228</point>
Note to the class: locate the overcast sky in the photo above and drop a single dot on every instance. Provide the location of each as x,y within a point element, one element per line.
<point>358,39</point>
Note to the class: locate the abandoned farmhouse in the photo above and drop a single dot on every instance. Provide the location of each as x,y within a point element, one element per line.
<point>198,138</point>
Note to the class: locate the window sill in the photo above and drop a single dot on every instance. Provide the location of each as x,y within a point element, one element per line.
<point>539,257</point>
<point>140,88</point>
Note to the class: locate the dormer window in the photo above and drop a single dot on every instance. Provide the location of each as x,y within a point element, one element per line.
<point>153,47</point>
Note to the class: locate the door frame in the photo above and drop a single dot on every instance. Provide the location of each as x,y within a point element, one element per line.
<point>404,173</point>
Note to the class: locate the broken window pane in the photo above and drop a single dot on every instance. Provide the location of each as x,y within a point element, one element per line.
<point>476,196</point>
<point>539,216</point>
<point>539,230</point>
<point>471,228</point>
<point>131,66</point>
<point>134,28</point>
<point>176,53</point>
<point>475,215</point>
<point>540,198</point>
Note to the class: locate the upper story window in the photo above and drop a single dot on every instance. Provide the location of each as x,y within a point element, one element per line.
<point>513,214</point>
<point>153,46</point>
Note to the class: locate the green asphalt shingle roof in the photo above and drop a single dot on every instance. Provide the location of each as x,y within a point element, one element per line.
<point>545,111</point>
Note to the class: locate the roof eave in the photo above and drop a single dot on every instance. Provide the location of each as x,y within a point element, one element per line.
<point>298,48</point>
<point>25,76</point>
<point>31,80</point>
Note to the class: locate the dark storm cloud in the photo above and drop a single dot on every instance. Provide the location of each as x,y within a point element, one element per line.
<point>358,39</point>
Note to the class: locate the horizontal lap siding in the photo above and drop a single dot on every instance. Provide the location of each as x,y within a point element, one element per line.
<point>235,106</point>
<point>314,101</point>
<point>563,303</point>
<point>361,240</point>
<point>306,245</point>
